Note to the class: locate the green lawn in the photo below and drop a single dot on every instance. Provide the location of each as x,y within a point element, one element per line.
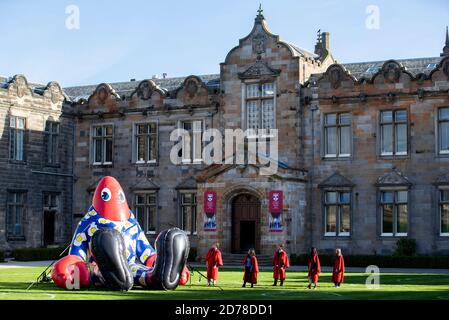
<point>14,281</point>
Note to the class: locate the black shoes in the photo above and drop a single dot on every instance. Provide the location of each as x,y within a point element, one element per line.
<point>109,251</point>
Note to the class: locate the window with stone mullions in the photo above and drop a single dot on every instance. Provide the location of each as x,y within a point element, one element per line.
<point>337,135</point>
<point>192,148</point>
<point>394,212</point>
<point>146,142</point>
<point>444,211</point>
<point>337,206</point>
<point>443,130</point>
<point>146,211</point>
<point>15,216</point>
<point>188,212</point>
<point>260,106</point>
<point>51,142</point>
<point>102,144</point>
<point>17,138</point>
<point>393,133</point>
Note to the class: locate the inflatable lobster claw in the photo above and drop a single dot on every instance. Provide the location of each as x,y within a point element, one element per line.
<point>110,249</point>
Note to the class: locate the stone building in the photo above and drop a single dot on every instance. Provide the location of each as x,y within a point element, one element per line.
<point>362,150</point>
<point>36,151</point>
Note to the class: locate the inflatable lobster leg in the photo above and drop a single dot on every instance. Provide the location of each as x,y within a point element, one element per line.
<point>71,272</point>
<point>172,247</point>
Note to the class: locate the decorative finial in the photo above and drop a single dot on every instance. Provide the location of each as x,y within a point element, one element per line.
<point>259,12</point>
<point>447,36</point>
<point>445,52</point>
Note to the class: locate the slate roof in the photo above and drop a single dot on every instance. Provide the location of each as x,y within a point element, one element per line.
<point>414,66</point>
<point>126,88</point>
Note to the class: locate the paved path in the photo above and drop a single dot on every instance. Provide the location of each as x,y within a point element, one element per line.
<point>43,264</point>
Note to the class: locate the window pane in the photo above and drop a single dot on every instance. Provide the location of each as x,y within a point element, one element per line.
<point>186,198</point>
<point>142,128</point>
<point>444,218</point>
<point>444,195</point>
<point>55,127</point>
<point>186,218</point>
<point>387,197</point>
<point>152,218</point>
<point>401,197</point>
<point>331,197</point>
<point>108,155</point>
<point>331,118</point>
<point>140,199</point>
<point>109,130</point>
<point>331,140</point>
<point>20,122</point>
<point>140,148</point>
<point>331,218</point>
<point>152,199</point>
<point>268,114</point>
<point>153,128</point>
<point>267,89</point>
<point>98,149</point>
<point>252,90</point>
<point>344,219</point>
<point>387,138</point>
<point>153,148</point>
<point>386,116</point>
<point>401,116</point>
<point>345,119</point>
<point>387,218</point>
<point>194,219</point>
<point>19,145</point>
<point>444,136</point>
<point>345,197</point>
<point>12,122</point>
<point>401,138</point>
<point>252,108</point>
<point>444,114</point>
<point>140,212</point>
<point>98,131</point>
<point>402,219</point>
<point>345,140</point>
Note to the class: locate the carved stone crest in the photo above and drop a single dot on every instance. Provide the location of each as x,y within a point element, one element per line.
<point>335,77</point>
<point>145,90</point>
<point>259,43</point>
<point>257,70</point>
<point>102,95</point>
<point>391,72</point>
<point>191,88</point>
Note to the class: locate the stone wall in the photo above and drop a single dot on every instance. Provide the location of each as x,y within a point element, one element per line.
<point>36,104</point>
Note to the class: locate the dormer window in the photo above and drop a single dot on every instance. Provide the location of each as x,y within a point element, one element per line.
<point>260,105</point>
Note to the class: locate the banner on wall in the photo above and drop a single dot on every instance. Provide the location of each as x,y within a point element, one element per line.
<point>275,206</point>
<point>210,208</point>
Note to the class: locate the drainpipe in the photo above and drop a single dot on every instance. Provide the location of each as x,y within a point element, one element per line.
<point>313,108</point>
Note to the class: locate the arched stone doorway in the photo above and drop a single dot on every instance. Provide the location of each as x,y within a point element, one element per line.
<point>246,222</point>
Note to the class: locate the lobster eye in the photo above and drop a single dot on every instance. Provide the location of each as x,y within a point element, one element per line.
<point>121,196</point>
<point>106,194</point>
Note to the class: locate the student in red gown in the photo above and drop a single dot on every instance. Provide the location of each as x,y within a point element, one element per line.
<point>314,268</point>
<point>338,272</point>
<point>213,262</point>
<point>251,268</point>
<point>280,264</point>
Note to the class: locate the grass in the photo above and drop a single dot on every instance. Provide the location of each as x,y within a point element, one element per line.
<point>14,281</point>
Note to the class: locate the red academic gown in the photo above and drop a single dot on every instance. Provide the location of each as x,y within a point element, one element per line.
<point>251,275</point>
<point>338,271</point>
<point>213,259</point>
<point>280,263</point>
<point>314,268</point>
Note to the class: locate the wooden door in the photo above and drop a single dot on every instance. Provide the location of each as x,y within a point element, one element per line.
<point>245,223</point>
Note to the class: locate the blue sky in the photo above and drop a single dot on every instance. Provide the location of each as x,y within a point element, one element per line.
<point>120,40</point>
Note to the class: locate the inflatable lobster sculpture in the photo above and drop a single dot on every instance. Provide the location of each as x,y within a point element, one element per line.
<point>110,249</point>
